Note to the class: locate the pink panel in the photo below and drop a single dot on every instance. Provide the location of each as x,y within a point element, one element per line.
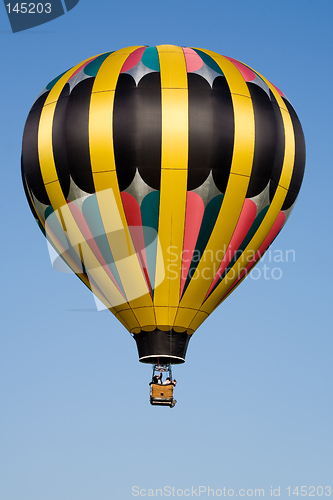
<point>193,217</point>
<point>193,60</point>
<point>83,226</point>
<point>81,67</point>
<point>245,221</point>
<point>246,72</point>
<point>134,221</point>
<point>275,229</point>
<point>133,59</point>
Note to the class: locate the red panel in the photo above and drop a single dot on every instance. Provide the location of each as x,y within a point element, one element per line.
<point>133,59</point>
<point>81,67</point>
<point>134,222</point>
<point>246,72</point>
<point>245,221</point>
<point>88,237</point>
<point>193,217</point>
<point>276,228</point>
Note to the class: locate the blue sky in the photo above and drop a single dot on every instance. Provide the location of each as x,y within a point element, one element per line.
<point>255,405</point>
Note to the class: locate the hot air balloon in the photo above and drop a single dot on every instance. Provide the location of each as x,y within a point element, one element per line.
<point>161,175</point>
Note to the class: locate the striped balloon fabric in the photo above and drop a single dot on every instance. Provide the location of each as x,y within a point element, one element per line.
<point>161,175</point>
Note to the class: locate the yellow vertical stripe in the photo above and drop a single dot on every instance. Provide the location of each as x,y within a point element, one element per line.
<point>71,264</point>
<point>289,153</point>
<point>107,189</point>
<point>264,228</point>
<point>101,113</point>
<point>272,213</point>
<point>241,167</point>
<point>173,190</point>
<point>57,199</point>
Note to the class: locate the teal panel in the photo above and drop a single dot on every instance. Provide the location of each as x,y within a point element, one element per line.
<point>209,61</point>
<point>150,58</point>
<point>253,229</point>
<point>50,85</point>
<point>54,225</point>
<point>92,68</point>
<point>92,216</point>
<point>150,206</point>
<point>41,227</point>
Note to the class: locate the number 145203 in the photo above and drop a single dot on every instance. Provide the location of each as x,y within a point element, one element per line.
<point>29,8</point>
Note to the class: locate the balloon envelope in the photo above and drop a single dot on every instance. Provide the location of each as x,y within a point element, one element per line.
<point>161,175</point>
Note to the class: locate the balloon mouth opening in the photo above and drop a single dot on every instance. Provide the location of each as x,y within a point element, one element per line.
<point>162,347</point>
<point>162,360</point>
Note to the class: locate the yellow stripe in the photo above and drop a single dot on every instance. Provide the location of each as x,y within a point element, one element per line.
<point>289,158</point>
<point>264,228</point>
<point>71,264</point>
<point>57,199</point>
<point>128,319</point>
<point>45,148</point>
<point>95,272</point>
<point>199,318</point>
<point>173,179</point>
<point>234,288</point>
<point>272,213</point>
<point>101,113</point>
<point>144,317</point>
<point>233,201</point>
<point>107,188</point>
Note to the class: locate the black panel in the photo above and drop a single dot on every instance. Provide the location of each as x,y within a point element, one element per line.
<point>211,131</point>
<point>224,125</point>
<point>265,140</point>
<point>201,130</point>
<point>162,347</point>
<point>299,164</point>
<point>124,116</point>
<point>77,135</point>
<point>32,208</point>
<point>59,140</point>
<point>30,159</point>
<point>280,148</point>
<point>137,129</point>
<point>149,129</point>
